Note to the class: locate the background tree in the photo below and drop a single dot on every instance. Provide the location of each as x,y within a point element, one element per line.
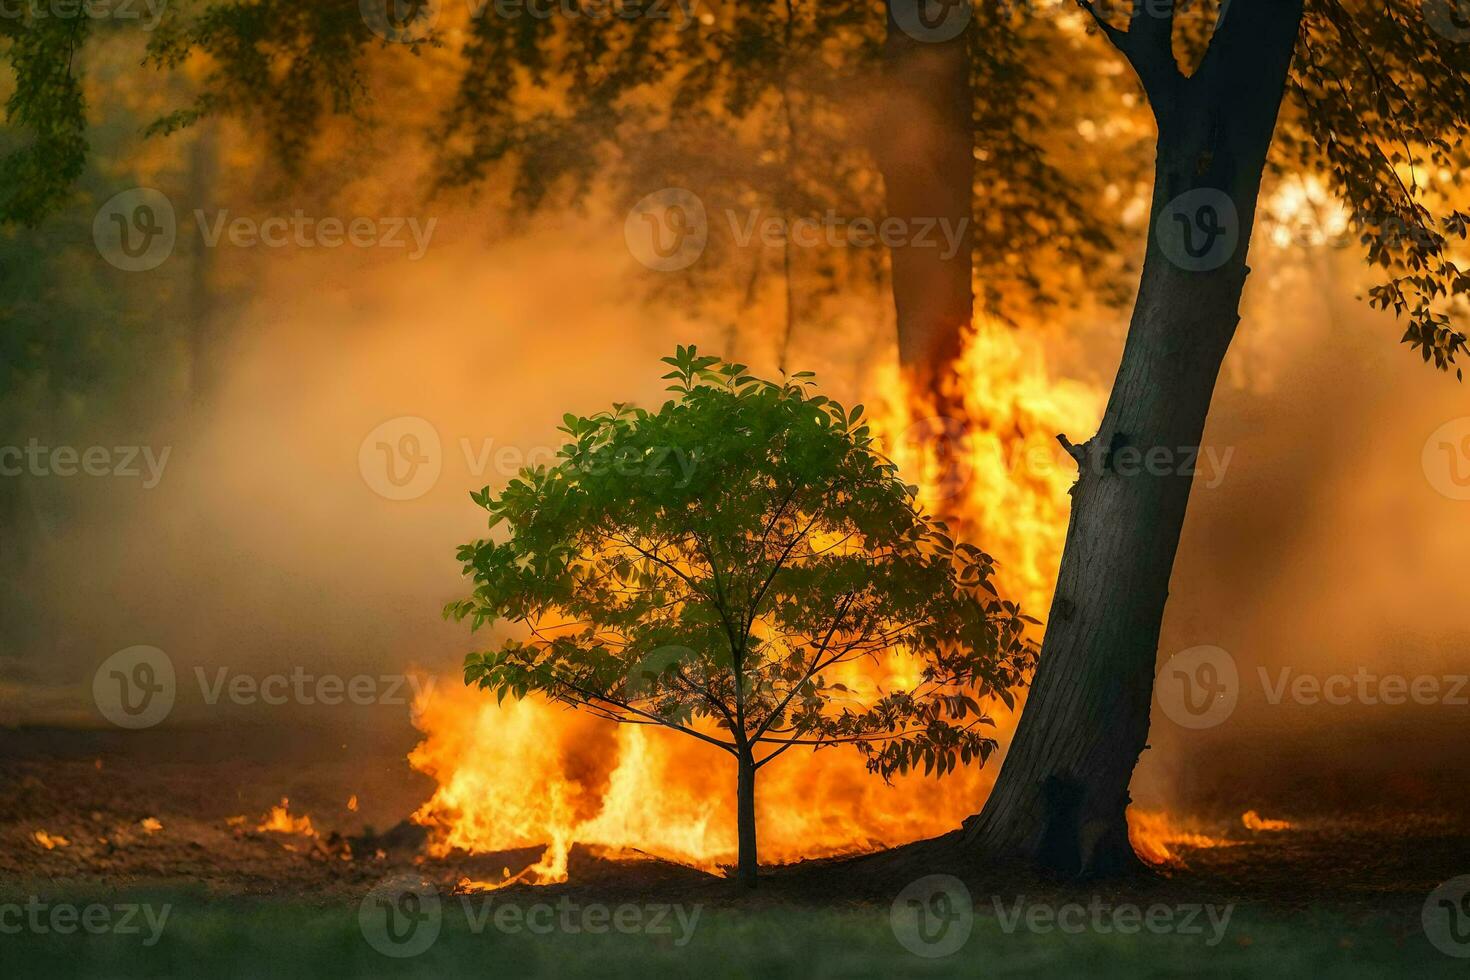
<point>714,566</point>
<point>788,110</point>
<point>1375,96</point>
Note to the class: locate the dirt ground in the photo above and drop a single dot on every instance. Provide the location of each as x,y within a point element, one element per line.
<point>161,809</point>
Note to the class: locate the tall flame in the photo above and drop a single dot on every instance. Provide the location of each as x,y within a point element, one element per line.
<point>528,773</point>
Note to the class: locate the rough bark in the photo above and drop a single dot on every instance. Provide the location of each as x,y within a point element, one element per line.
<point>1061,796</point>
<point>748,863</point>
<point>925,149</point>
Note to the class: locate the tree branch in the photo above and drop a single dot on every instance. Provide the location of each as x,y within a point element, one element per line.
<point>1148,44</point>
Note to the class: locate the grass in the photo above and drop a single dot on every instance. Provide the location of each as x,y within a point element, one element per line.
<point>254,937</point>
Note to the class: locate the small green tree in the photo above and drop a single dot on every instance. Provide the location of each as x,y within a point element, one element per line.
<point>710,567</point>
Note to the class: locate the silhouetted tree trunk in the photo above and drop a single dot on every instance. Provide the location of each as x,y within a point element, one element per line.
<point>1061,796</point>
<point>748,862</point>
<point>925,148</point>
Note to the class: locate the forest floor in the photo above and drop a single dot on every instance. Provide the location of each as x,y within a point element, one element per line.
<point>84,823</point>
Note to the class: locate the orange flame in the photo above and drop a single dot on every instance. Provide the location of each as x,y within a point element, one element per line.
<point>50,841</point>
<point>1157,837</point>
<point>528,773</point>
<point>1252,820</point>
<point>280,821</point>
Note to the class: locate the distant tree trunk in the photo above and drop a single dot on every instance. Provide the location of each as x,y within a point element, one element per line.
<point>203,172</point>
<point>748,862</point>
<point>925,147</point>
<point>1061,797</point>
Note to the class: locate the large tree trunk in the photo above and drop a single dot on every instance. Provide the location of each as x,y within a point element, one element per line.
<point>925,148</point>
<point>1061,797</point>
<point>748,863</point>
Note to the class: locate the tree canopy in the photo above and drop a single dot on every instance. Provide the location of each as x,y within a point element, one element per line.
<point>770,105</point>
<point>721,559</point>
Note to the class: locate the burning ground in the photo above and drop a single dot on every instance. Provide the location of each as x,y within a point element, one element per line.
<point>94,809</point>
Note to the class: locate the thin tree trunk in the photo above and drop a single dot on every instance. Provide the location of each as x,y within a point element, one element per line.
<point>925,148</point>
<point>748,863</point>
<point>1061,797</point>
<point>203,171</point>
